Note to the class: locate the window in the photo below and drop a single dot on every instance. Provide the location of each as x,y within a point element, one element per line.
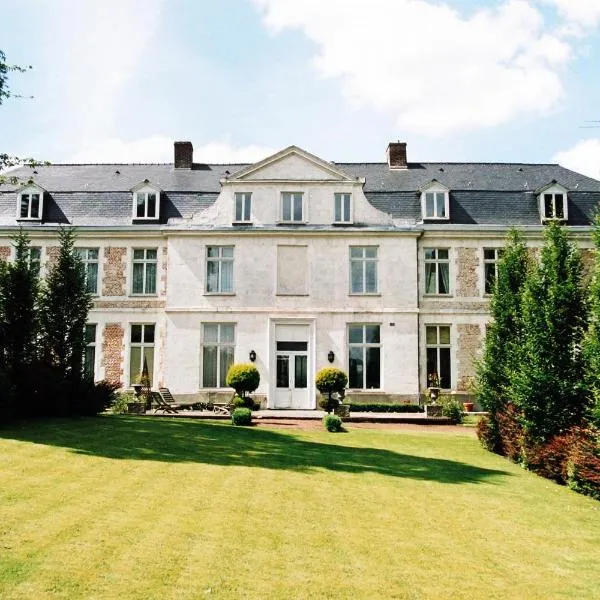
<point>243,207</point>
<point>89,355</point>
<point>437,340</point>
<point>363,270</point>
<point>554,205</point>
<point>141,353</point>
<point>491,256</point>
<point>35,259</point>
<point>218,344</point>
<point>435,205</point>
<point>30,204</point>
<point>144,271</point>
<point>364,357</point>
<point>146,203</point>
<point>342,208</point>
<point>219,269</point>
<point>89,258</point>
<point>437,271</point>
<point>292,207</point>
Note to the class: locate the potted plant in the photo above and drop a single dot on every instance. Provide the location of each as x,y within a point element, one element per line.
<point>433,386</point>
<point>331,382</point>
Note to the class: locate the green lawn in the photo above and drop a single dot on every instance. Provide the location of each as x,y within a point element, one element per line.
<point>126,507</point>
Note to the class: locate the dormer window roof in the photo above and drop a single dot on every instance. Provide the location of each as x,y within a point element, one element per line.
<point>435,201</point>
<point>146,201</point>
<point>552,202</point>
<point>30,203</point>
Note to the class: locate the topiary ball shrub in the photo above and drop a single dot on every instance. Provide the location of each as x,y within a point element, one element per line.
<point>243,378</point>
<point>332,423</point>
<point>245,402</point>
<point>329,381</point>
<point>241,416</point>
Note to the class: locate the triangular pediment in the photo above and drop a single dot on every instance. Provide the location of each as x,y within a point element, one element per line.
<point>552,185</point>
<point>291,164</point>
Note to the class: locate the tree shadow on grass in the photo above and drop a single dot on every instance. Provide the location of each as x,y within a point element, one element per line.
<point>184,441</point>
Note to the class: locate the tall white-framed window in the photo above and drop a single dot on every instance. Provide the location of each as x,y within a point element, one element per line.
<point>219,269</point>
<point>364,356</point>
<point>437,343</point>
<point>292,207</point>
<point>243,207</point>
<point>141,351</point>
<point>144,271</point>
<point>437,271</point>
<point>90,259</point>
<point>363,269</point>
<point>35,259</point>
<point>218,348</point>
<point>491,256</point>
<point>342,208</point>
<point>435,202</point>
<point>30,203</point>
<point>146,203</point>
<point>89,353</point>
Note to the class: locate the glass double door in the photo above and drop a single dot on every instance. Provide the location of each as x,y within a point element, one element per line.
<point>291,385</point>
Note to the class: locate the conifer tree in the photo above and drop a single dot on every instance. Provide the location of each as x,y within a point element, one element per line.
<point>548,382</point>
<point>592,338</point>
<point>503,334</point>
<point>64,307</point>
<point>18,297</point>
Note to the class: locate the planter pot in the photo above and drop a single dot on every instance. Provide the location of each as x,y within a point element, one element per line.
<point>433,410</point>
<point>468,406</point>
<point>434,393</point>
<point>137,389</point>
<point>342,411</point>
<point>136,408</point>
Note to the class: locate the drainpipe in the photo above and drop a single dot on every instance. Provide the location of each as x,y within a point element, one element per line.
<point>418,316</point>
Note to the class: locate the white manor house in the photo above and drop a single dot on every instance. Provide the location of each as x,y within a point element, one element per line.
<point>295,263</point>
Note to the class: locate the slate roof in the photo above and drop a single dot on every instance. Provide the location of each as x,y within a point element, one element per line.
<point>480,193</point>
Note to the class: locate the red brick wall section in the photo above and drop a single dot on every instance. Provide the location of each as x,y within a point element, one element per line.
<point>113,281</point>
<point>52,253</point>
<point>112,352</point>
<point>5,253</point>
<point>163,277</point>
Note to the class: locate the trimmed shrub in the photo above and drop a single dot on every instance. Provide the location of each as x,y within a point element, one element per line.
<point>331,382</point>
<point>332,423</point>
<point>583,465</point>
<point>488,435</point>
<point>244,378</point>
<point>241,416</point>
<point>119,405</point>
<point>510,432</point>
<point>452,408</point>
<point>386,408</point>
<point>245,402</point>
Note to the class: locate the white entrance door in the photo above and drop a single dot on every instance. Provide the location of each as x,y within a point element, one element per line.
<point>291,367</point>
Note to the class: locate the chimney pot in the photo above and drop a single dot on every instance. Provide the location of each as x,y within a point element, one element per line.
<point>396,155</point>
<point>184,155</point>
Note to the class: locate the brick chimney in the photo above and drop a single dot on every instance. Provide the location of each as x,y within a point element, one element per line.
<point>396,155</point>
<point>184,155</point>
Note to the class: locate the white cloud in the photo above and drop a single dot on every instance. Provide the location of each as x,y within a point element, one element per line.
<point>96,48</point>
<point>159,149</point>
<point>435,70</point>
<point>583,157</point>
<point>585,13</point>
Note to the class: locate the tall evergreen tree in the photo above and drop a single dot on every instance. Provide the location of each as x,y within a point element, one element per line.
<point>503,335</point>
<point>18,297</point>
<point>548,383</point>
<point>592,338</point>
<point>64,307</point>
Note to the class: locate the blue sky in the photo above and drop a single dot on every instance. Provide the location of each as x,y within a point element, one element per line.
<point>461,80</point>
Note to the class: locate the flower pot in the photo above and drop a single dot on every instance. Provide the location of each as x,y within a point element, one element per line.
<point>434,393</point>
<point>433,410</point>
<point>136,408</point>
<point>468,406</point>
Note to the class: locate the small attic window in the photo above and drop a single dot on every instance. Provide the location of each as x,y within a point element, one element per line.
<point>146,202</point>
<point>30,204</point>
<point>553,204</point>
<point>435,202</point>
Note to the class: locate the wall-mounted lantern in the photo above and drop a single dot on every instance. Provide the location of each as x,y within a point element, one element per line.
<point>330,356</point>
<point>252,356</point>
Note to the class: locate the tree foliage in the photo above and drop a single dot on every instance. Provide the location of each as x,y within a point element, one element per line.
<point>64,307</point>
<point>244,378</point>
<point>548,383</point>
<point>504,331</point>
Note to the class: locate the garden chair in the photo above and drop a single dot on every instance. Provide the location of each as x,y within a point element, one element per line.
<point>224,408</point>
<point>165,402</point>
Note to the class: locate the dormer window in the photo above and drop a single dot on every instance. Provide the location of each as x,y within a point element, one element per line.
<point>435,202</point>
<point>342,208</point>
<point>146,202</point>
<point>292,207</point>
<point>30,204</point>
<point>553,203</point>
